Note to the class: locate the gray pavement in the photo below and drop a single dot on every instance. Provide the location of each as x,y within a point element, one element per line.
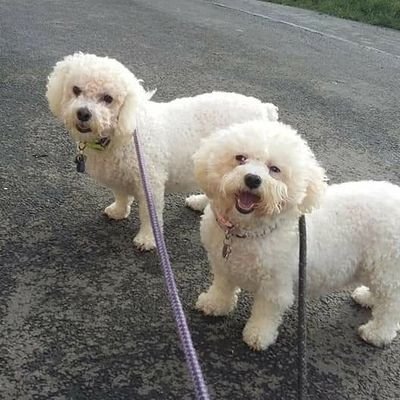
<point>83,315</point>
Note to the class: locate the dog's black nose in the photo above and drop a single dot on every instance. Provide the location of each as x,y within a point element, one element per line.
<point>252,181</point>
<point>83,114</point>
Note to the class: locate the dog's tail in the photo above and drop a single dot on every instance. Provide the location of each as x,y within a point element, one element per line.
<point>271,111</point>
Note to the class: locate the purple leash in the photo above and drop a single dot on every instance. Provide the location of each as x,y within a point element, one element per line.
<point>192,361</point>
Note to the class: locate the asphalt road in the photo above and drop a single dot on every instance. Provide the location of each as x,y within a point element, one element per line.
<point>83,315</point>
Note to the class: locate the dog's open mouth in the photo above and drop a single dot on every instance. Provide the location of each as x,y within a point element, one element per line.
<point>83,128</point>
<point>246,202</point>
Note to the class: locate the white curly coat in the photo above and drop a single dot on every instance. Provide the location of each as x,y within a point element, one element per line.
<point>170,132</point>
<point>353,237</point>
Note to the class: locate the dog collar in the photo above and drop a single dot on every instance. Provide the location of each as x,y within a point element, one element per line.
<point>228,227</point>
<point>98,145</point>
<point>231,230</point>
<point>80,158</point>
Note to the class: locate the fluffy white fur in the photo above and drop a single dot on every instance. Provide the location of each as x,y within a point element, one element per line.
<point>353,237</point>
<point>170,132</point>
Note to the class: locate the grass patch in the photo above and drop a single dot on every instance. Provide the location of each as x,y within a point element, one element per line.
<point>375,12</point>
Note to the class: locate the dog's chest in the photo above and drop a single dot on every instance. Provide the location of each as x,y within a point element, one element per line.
<point>253,261</point>
<point>116,170</point>
<point>246,264</point>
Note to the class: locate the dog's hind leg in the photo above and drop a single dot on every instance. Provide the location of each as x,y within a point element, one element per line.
<point>363,296</point>
<point>121,207</point>
<point>382,328</point>
<point>197,202</point>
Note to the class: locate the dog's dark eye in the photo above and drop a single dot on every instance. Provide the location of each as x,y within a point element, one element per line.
<point>274,169</point>
<point>107,99</point>
<point>241,158</point>
<point>76,91</point>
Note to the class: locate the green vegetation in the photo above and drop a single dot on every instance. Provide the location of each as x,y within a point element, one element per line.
<point>375,12</point>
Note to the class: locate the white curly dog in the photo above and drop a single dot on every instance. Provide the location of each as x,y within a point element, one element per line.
<point>101,103</point>
<point>257,189</point>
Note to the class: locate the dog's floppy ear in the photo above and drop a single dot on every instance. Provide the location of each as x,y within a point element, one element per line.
<point>128,111</point>
<point>205,171</point>
<point>316,182</point>
<point>56,81</point>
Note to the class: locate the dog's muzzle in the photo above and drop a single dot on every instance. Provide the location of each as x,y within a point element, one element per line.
<point>252,181</point>
<point>83,115</point>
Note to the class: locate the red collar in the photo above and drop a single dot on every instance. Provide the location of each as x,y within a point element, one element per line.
<point>231,229</point>
<point>224,224</point>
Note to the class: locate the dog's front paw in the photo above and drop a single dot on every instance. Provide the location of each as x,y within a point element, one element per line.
<point>144,241</point>
<point>376,334</point>
<point>197,202</point>
<point>115,211</point>
<point>259,336</point>
<point>212,303</point>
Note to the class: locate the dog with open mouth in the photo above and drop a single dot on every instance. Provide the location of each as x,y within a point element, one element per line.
<point>260,177</point>
<point>101,103</point>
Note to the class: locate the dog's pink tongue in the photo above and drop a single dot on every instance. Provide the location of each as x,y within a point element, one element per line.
<point>247,200</point>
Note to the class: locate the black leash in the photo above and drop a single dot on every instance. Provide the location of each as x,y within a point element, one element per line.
<point>301,317</point>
